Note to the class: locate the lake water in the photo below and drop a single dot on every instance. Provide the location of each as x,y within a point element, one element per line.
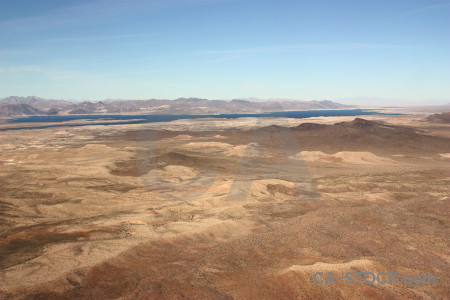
<point>142,119</point>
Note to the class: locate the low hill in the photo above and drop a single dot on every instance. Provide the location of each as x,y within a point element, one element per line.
<point>356,135</point>
<point>440,118</point>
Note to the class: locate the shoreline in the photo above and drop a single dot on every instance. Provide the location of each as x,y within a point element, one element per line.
<point>43,121</point>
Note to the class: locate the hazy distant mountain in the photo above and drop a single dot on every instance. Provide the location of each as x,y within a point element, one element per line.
<point>87,107</point>
<point>36,102</point>
<point>177,106</point>
<point>7,109</point>
<point>297,104</point>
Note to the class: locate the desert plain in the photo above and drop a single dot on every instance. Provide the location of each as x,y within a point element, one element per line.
<point>247,208</point>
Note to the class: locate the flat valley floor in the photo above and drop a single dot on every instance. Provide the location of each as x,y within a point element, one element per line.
<point>225,209</point>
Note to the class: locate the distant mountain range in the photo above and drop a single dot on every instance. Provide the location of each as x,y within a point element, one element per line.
<point>15,106</point>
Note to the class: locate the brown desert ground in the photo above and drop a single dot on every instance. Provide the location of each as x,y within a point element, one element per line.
<point>225,209</point>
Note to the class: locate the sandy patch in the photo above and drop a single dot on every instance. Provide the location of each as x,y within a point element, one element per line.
<point>445,155</point>
<point>177,174</point>
<point>62,132</point>
<point>359,264</point>
<point>95,146</point>
<point>180,137</point>
<point>378,197</point>
<point>345,157</point>
<point>7,146</point>
<point>135,222</point>
<point>272,188</point>
<point>183,137</point>
<point>200,145</point>
<point>249,150</point>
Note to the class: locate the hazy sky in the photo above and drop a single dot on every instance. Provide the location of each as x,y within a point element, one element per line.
<point>224,49</point>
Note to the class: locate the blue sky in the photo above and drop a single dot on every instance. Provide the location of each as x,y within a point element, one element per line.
<point>364,52</point>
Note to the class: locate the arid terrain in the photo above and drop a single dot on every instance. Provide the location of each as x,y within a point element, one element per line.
<point>245,208</point>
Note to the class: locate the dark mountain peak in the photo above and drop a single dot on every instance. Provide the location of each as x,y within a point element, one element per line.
<point>358,122</point>
<point>272,128</point>
<point>177,159</point>
<point>311,126</point>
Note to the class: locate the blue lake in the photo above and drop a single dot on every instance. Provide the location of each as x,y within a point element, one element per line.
<point>142,119</point>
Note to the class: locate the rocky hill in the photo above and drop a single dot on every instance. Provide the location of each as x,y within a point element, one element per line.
<point>440,118</point>
<point>374,136</point>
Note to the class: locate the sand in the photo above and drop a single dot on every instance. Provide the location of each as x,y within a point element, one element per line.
<point>345,157</point>
<point>177,174</point>
<point>100,213</point>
